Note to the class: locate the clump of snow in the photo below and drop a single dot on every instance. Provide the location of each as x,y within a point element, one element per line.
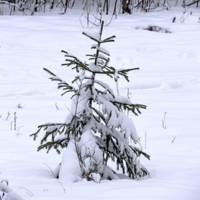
<point>96,177</point>
<point>93,34</point>
<point>94,68</point>
<point>12,196</point>
<point>109,173</point>
<point>70,169</point>
<point>101,49</point>
<point>9,194</point>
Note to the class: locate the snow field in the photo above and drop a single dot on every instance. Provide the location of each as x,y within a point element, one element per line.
<point>168,81</point>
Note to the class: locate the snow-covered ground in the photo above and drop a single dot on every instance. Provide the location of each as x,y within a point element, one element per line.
<point>168,82</point>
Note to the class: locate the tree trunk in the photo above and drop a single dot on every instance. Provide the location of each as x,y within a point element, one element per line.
<point>125,6</point>
<point>36,5</point>
<point>14,6</point>
<point>52,4</point>
<point>66,5</point>
<point>115,8</point>
<point>106,6</point>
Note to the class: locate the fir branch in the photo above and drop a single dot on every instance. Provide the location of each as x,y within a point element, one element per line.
<point>96,40</point>
<point>48,71</point>
<point>106,87</point>
<point>100,56</point>
<point>62,84</point>
<point>99,114</point>
<point>134,108</point>
<point>109,39</point>
<point>74,61</point>
<point>125,71</point>
<point>52,130</point>
<point>35,135</point>
<point>139,152</point>
<point>108,70</point>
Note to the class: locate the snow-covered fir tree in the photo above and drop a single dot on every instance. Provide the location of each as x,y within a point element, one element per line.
<point>96,129</point>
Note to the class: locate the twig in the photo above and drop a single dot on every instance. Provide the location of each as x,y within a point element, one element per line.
<point>145,140</point>
<point>193,3</point>
<point>80,19</point>
<point>163,121</point>
<point>173,139</point>
<point>19,129</point>
<point>117,87</point>
<point>57,179</point>
<point>56,106</point>
<point>91,22</point>
<point>29,192</point>
<point>15,121</point>
<point>8,116</point>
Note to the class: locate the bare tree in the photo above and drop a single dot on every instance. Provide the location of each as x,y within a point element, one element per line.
<point>126,6</point>
<point>106,6</point>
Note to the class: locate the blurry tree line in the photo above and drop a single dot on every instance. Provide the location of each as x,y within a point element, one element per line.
<point>115,7</point>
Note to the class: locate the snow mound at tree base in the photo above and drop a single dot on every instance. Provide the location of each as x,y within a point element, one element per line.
<point>83,161</point>
<point>69,169</point>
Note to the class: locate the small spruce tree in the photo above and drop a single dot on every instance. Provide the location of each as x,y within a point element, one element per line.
<point>97,127</point>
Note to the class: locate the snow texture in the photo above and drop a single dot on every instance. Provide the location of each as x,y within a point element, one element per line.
<point>168,81</point>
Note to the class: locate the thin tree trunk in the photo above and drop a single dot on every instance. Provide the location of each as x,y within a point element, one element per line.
<point>11,9</point>
<point>36,5</point>
<point>73,4</point>
<point>115,8</point>
<point>193,3</point>
<point>14,6</point>
<point>106,6</point>
<point>45,5</point>
<point>126,6</point>
<point>52,4</point>
<point>66,5</point>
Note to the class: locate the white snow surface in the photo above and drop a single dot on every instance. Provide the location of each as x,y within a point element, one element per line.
<point>168,82</point>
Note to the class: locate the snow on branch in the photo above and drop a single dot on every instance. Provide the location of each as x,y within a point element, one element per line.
<point>94,36</point>
<point>105,86</point>
<point>101,49</point>
<point>94,68</point>
<point>123,72</point>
